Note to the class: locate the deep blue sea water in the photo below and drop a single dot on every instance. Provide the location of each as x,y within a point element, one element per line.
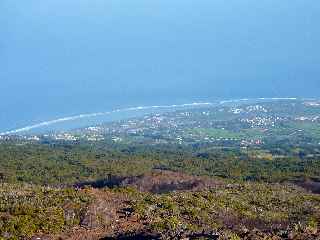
<point>62,58</point>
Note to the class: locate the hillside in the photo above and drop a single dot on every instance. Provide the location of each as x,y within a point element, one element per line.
<point>204,211</point>
<point>244,171</point>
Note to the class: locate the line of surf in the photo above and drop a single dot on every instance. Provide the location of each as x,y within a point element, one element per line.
<point>98,114</point>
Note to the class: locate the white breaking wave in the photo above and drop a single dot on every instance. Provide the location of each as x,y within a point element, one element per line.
<point>92,115</point>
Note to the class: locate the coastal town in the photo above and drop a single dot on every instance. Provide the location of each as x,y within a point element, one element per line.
<point>241,125</point>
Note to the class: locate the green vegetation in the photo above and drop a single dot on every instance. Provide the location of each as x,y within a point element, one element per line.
<point>234,210</point>
<point>242,173</point>
<point>68,164</point>
<point>216,133</point>
<point>311,128</point>
<point>26,210</point>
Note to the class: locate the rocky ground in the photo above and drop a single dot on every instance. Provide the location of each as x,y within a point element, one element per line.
<point>171,205</point>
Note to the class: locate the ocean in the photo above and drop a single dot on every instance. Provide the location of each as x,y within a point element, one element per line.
<point>64,58</point>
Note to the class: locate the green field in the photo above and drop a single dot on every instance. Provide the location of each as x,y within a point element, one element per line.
<point>217,133</point>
